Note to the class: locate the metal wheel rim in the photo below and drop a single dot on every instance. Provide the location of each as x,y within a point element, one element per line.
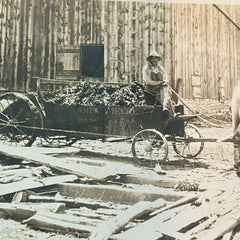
<point>15,124</point>
<point>191,149</point>
<point>149,145</point>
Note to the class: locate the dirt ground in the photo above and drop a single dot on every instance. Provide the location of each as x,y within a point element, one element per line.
<point>217,158</point>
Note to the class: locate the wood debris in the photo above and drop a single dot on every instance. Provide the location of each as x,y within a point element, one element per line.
<point>110,209</point>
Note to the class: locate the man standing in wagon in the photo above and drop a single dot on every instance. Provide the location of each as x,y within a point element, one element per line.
<point>156,81</point>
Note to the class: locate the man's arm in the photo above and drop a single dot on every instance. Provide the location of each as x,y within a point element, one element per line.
<point>164,76</point>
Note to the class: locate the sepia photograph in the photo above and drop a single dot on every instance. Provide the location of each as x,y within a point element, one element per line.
<point>119,120</point>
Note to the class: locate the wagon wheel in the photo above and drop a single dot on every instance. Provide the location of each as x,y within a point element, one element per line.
<point>149,145</point>
<point>189,149</point>
<point>17,117</point>
<point>59,141</point>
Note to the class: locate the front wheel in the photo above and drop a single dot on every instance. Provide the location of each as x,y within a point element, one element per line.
<point>149,145</point>
<point>188,148</point>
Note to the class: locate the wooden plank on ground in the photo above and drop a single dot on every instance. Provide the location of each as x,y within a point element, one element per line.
<point>20,212</point>
<point>40,221</point>
<point>76,202</point>
<point>115,224</point>
<point>142,230</point>
<point>79,169</point>
<point>176,235</point>
<point>164,181</point>
<point>187,217</point>
<point>98,172</point>
<point>228,235</point>
<point>222,225</point>
<point>178,203</point>
<point>119,195</point>
<point>30,183</point>
<point>167,221</point>
<point>69,218</point>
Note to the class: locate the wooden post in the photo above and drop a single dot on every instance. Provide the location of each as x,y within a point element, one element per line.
<point>221,91</point>
<point>177,90</point>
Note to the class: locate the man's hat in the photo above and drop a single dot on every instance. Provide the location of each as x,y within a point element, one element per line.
<point>154,54</point>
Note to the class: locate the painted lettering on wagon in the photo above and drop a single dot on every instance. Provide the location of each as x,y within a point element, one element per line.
<point>120,110</point>
<point>88,110</point>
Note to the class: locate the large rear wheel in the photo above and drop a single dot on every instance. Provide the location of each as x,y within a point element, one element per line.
<point>149,145</point>
<point>18,119</point>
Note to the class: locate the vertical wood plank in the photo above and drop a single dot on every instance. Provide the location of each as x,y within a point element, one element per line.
<point>28,46</point>
<point>161,31</point>
<point>215,42</point>
<point>121,42</point>
<point>173,44</point>
<point>106,40</point>
<point>168,42</point>
<point>137,43</point>
<point>203,63</point>
<point>77,22</point>
<point>177,13</point>
<point>16,37</point>
<point>2,18</point>
<point>210,87</point>
<point>115,43</point>
<point>141,55</point>
<point>111,46</point>
<point>91,21</point>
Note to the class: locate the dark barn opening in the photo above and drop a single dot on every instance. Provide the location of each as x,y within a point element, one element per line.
<point>92,61</point>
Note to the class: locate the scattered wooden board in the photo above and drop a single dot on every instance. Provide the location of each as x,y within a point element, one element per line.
<point>119,195</point>
<point>30,183</point>
<point>115,224</point>
<point>46,222</point>
<point>83,168</point>
<point>23,211</point>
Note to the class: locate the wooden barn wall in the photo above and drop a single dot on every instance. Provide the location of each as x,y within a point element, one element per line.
<point>197,41</point>
<point>206,47</point>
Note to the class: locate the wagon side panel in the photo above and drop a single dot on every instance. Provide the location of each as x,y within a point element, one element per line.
<point>78,118</point>
<point>127,121</point>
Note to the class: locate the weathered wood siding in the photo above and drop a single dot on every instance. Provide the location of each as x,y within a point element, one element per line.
<point>206,46</point>
<point>199,43</point>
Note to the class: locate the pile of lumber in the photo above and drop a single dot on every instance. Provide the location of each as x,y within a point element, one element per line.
<point>52,198</point>
<point>189,218</point>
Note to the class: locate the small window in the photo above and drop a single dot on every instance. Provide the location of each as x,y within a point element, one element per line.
<point>92,61</point>
<point>68,63</point>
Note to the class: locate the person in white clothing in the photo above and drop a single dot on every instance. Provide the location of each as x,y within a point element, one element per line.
<point>156,82</point>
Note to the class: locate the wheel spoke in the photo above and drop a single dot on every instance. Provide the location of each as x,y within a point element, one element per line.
<point>188,148</point>
<point>3,108</point>
<point>25,134</point>
<point>153,146</point>
<point>2,128</point>
<point>4,115</point>
<point>3,120</point>
<point>1,105</point>
<point>16,120</point>
<point>21,111</point>
<point>152,139</point>
<point>9,107</point>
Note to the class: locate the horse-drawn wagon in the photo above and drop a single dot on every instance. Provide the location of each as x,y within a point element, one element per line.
<point>25,117</point>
